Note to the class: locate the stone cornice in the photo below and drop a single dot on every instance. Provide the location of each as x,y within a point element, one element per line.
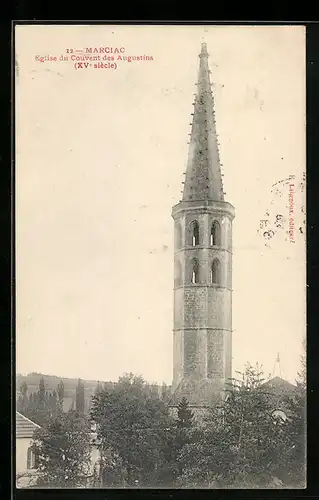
<point>190,286</point>
<point>202,207</point>
<point>203,247</point>
<point>195,328</point>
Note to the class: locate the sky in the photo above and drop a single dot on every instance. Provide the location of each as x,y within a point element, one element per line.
<point>100,154</point>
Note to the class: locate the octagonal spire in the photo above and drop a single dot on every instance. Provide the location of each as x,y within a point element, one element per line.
<point>203,175</point>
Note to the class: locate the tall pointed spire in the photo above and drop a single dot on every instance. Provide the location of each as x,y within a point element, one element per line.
<point>203,175</point>
<point>277,368</point>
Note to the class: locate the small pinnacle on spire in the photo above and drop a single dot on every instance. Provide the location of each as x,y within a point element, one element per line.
<point>203,50</point>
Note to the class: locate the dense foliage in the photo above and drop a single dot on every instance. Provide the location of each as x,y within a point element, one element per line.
<point>63,451</point>
<point>295,470</point>
<point>134,428</point>
<point>143,442</point>
<point>40,406</point>
<point>240,443</point>
<point>79,397</point>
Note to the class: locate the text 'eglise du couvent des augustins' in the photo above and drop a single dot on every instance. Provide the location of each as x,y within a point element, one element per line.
<point>94,57</point>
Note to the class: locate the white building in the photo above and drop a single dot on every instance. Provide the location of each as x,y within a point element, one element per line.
<point>26,467</point>
<point>25,458</point>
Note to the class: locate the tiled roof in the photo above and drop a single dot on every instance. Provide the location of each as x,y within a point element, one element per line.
<point>279,385</point>
<point>24,427</point>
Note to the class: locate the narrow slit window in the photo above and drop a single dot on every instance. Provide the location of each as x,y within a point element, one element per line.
<point>194,233</point>
<point>195,271</point>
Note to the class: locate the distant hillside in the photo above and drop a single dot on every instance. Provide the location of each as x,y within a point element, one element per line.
<point>51,382</point>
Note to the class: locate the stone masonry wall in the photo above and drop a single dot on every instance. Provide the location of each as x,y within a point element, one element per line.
<point>215,354</point>
<point>178,355</point>
<point>195,346</point>
<point>202,310</point>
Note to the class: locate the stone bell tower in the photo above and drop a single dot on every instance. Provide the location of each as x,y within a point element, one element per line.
<point>202,261</point>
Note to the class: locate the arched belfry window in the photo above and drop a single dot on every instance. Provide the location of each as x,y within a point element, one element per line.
<point>215,236</point>
<point>215,272</point>
<point>178,273</point>
<point>194,233</point>
<point>178,236</point>
<point>195,271</point>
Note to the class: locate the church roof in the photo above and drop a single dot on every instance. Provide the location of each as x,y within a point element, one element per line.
<point>203,175</point>
<point>24,426</point>
<point>279,385</point>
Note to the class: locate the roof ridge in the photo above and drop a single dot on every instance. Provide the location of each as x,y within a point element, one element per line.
<point>279,378</point>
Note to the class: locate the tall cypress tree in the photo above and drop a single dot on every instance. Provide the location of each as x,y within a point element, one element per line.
<point>98,388</point>
<point>60,397</point>
<point>182,436</point>
<point>22,403</point>
<point>24,393</point>
<point>184,415</point>
<point>296,429</point>
<point>41,393</point>
<point>34,401</point>
<point>79,402</point>
<point>54,403</point>
<point>30,402</point>
<point>50,404</point>
<point>42,408</point>
<point>60,389</point>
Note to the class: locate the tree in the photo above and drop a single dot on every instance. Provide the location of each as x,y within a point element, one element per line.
<point>24,393</point>
<point>60,397</point>
<point>41,393</point>
<point>60,389</point>
<point>32,405</point>
<point>36,406</point>
<point>79,401</point>
<point>31,401</point>
<point>133,426</point>
<point>184,423</point>
<point>22,403</point>
<point>165,393</point>
<point>112,472</point>
<point>42,413</point>
<point>240,444</point>
<point>184,415</point>
<point>99,387</point>
<point>182,433</point>
<point>53,403</point>
<point>295,473</point>
<point>63,451</point>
